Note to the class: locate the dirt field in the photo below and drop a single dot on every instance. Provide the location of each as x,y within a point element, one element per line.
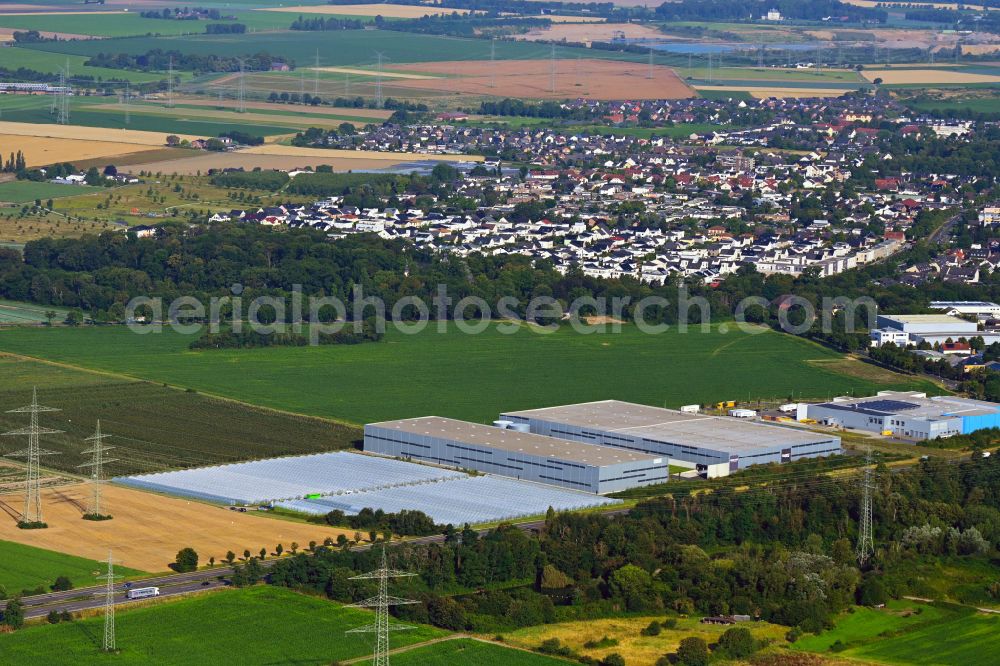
<point>7,34</point>
<point>591,32</point>
<point>596,79</point>
<point>556,18</point>
<point>928,76</point>
<point>979,49</point>
<point>148,529</point>
<point>368,72</point>
<point>387,10</point>
<point>39,151</point>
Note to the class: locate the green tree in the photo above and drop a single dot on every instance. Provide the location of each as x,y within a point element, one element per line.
<point>693,651</point>
<point>187,560</point>
<point>61,584</point>
<point>736,643</point>
<point>230,556</point>
<point>13,614</point>
<point>634,586</point>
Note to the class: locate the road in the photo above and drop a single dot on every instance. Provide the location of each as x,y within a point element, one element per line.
<point>86,598</point>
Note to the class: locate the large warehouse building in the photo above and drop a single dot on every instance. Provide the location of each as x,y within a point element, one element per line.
<point>719,445</point>
<point>522,455</point>
<point>907,414</point>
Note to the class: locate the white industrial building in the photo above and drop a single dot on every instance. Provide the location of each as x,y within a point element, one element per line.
<point>903,330</point>
<point>978,309</point>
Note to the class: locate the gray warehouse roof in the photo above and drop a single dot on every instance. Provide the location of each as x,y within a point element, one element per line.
<point>667,425</point>
<point>510,440</point>
<point>914,404</point>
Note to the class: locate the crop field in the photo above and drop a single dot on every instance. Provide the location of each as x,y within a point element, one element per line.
<point>152,427</point>
<point>144,532</point>
<point>977,104</point>
<point>26,568</point>
<point>937,76</point>
<point>911,633</point>
<point>126,24</point>
<point>470,377</point>
<point>632,645</point>
<point>468,651</point>
<point>14,312</point>
<point>211,629</point>
<point>42,150</point>
<point>102,113</point>
<point>533,79</point>
<point>20,191</point>
<point>341,48</point>
<point>579,31</point>
<point>386,10</point>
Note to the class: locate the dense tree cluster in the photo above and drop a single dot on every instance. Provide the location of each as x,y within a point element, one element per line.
<point>225,29</point>
<point>158,60</point>
<point>781,551</point>
<point>740,10</point>
<point>320,23</point>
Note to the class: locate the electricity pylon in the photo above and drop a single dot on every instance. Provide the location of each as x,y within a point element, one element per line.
<point>866,540</point>
<point>381,603</point>
<point>378,81</point>
<point>32,489</point>
<point>97,467</point>
<point>109,644</point>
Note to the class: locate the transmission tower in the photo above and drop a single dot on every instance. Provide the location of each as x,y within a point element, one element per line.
<point>32,490</point>
<point>109,606</point>
<point>552,69</point>
<point>760,55</point>
<point>96,466</point>
<point>493,63</point>
<point>241,95</point>
<point>866,541</point>
<point>125,99</point>
<point>381,603</point>
<point>170,83</point>
<point>378,81</point>
<point>316,75</point>
<point>649,74</point>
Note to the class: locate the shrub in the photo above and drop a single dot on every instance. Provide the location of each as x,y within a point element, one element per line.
<point>693,651</point>
<point>652,629</point>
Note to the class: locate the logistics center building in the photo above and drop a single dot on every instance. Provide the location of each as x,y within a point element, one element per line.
<point>907,414</point>
<point>716,444</point>
<point>515,453</point>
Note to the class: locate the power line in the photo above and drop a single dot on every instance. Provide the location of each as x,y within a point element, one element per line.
<point>97,467</point>
<point>493,63</point>
<point>241,99</point>
<point>32,487</point>
<point>170,83</point>
<point>381,603</point>
<point>552,69</point>
<point>316,75</point>
<point>109,644</point>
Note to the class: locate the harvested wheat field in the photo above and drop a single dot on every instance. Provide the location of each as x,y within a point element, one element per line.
<point>927,76</point>
<point>39,151</point>
<point>148,529</point>
<point>590,32</point>
<point>387,10</point>
<point>82,133</point>
<point>532,79</point>
<point>762,93</point>
<point>979,49</point>
<point>557,18</point>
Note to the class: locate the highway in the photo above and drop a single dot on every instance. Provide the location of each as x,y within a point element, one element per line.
<point>86,598</point>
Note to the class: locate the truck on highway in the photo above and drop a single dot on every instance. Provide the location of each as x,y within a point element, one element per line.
<point>143,592</point>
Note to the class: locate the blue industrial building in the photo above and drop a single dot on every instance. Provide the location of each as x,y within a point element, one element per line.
<point>907,414</point>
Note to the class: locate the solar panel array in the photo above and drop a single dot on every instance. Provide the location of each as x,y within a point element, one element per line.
<point>471,499</point>
<point>275,479</point>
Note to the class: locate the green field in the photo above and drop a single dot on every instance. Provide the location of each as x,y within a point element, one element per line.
<point>939,635</point>
<point>474,376</point>
<point>347,47</point>
<point>25,568</point>
<point>470,652</point>
<point>866,624</point>
<point>45,61</point>
<point>37,109</point>
<point>261,625</point>
<point>20,191</point>
<point>131,23</point>
<point>153,427</point>
<point>15,312</point>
